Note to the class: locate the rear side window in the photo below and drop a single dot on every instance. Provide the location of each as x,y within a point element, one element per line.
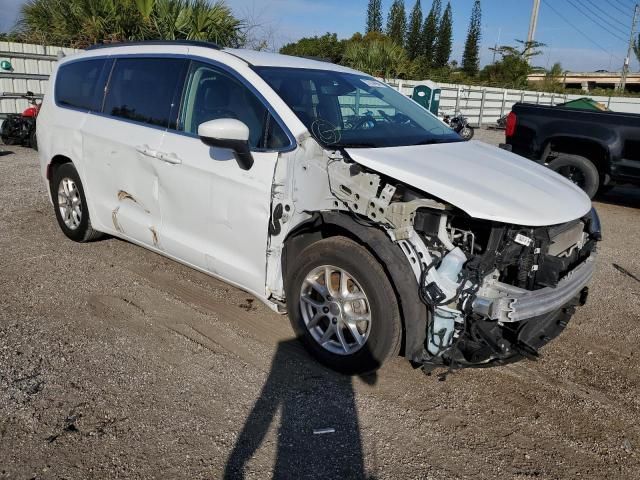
<point>143,89</point>
<point>78,85</point>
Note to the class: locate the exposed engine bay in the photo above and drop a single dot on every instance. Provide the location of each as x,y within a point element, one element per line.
<point>494,292</point>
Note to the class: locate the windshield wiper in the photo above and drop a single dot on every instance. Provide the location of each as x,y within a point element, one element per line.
<point>433,141</point>
<point>355,145</point>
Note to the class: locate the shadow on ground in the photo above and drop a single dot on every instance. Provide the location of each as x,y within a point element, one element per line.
<point>318,435</point>
<point>625,196</point>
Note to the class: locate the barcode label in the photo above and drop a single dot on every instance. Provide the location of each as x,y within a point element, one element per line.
<point>523,240</point>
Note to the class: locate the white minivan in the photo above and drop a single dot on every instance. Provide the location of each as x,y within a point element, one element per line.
<point>325,193</point>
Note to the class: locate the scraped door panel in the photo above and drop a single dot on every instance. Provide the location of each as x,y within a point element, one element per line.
<point>122,144</point>
<point>123,180</point>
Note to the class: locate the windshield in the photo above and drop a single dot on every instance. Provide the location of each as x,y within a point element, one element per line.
<point>351,110</point>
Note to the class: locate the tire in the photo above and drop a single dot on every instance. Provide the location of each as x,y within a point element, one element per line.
<point>372,292</point>
<point>79,229</point>
<point>579,170</point>
<point>467,132</point>
<point>33,140</point>
<point>8,140</point>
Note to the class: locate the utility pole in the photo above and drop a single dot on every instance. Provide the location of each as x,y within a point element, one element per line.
<point>496,47</point>
<point>532,24</point>
<point>625,67</point>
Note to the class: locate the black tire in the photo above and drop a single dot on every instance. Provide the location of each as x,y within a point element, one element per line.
<point>33,140</point>
<point>83,232</point>
<point>8,140</point>
<point>467,132</point>
<point>579,170</point>
<point>384,337</point>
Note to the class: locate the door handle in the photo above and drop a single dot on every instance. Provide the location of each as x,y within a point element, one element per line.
<point>145,150</point>
<point>171,158</point>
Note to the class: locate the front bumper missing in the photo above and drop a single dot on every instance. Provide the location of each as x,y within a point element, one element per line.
<point>506,303</point>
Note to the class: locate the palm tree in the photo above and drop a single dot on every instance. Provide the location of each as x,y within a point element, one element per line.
<point>380,57</point>
<point>80,23</point>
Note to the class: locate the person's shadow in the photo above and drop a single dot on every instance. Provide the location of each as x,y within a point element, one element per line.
<point>319,432</point>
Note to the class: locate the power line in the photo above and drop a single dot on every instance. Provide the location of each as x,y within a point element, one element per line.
<point>621,10</point>
<point>616,35</point>
<point>624,26</point>
<point>587,37</point>
<point>598,19</point>
<point>626,5</point>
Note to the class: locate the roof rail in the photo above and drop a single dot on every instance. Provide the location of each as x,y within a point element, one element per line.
<point>193,43</point>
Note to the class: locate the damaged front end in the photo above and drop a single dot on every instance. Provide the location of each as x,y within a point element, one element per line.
<point>494,292</point>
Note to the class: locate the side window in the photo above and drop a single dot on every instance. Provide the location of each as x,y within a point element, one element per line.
<point>212,94</point>
<point>77,84</point>
<point>143,89</point>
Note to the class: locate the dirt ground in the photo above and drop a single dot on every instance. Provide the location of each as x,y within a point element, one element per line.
<point>118,363</point>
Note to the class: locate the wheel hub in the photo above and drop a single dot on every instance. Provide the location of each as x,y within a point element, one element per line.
<point>69,203</point>
<point>335,310</point>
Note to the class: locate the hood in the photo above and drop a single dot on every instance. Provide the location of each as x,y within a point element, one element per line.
<point>484,181</point>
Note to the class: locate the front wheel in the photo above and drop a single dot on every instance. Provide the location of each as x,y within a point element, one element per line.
<point>467,132</point>
<point>342,306</point>
<point>8,140</point>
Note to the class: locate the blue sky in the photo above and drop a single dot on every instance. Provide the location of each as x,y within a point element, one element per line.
<point>593,49</point>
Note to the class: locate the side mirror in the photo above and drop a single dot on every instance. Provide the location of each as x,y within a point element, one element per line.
<point>231,134</point>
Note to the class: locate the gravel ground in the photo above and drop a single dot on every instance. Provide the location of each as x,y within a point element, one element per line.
<point>118,363</point>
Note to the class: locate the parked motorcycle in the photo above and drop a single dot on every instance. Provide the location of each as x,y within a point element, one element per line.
<point>460,124</point>
<point>20,128</point>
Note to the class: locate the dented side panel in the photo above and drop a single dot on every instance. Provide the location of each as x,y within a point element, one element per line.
<point>300,188</point>
<point>121,181</point>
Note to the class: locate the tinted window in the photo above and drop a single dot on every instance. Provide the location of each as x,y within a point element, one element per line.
<point>212,94</point>
<point>143,89</point>
<point>77,84</point>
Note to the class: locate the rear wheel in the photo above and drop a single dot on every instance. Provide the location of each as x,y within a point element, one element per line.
<point>579,170</point>
<point>33,140</point>
<point>342,306</point>
<point>70,204</point>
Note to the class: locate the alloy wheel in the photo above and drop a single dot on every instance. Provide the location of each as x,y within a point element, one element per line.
<point>335,310</point>
<point>69,203</point>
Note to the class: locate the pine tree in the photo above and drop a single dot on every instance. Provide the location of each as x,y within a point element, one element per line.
<point>413,44</point>
<point>471,55</point>
<point>444,42</point>
<point>374,16</point>
<point>397,22</point>
<point>430,31</point>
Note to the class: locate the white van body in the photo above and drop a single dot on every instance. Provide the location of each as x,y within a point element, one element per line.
<point>162,186</point>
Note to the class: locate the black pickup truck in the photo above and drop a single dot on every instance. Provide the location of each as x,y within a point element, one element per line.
<point>594,149</point>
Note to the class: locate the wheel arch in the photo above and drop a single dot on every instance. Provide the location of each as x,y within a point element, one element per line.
<point>413,312</point>
<point>54,163</point>
<point>592,150</point>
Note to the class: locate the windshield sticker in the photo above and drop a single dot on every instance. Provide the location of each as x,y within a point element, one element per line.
<point>325,131</point>
<point>373,83</point>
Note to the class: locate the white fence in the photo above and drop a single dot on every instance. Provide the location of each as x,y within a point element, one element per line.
<point>484,105</point>
<point>32,65</point>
